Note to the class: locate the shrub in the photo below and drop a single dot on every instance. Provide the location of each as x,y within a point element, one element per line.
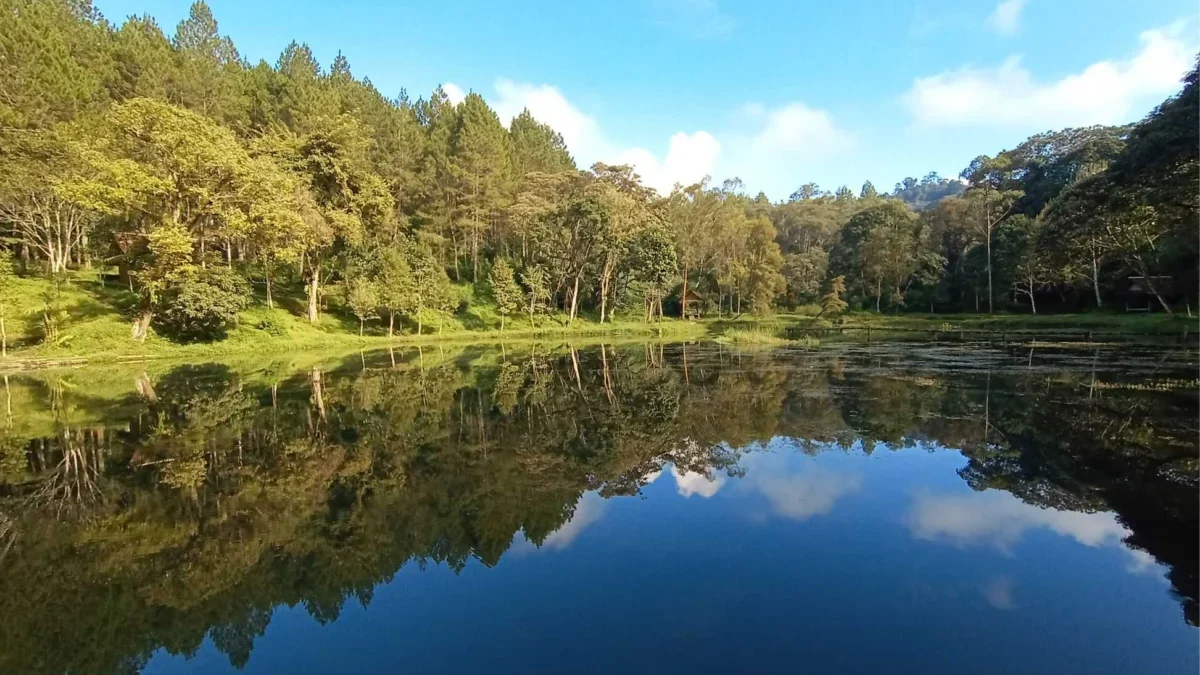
<point>204,306</point>
<point>273,327</point>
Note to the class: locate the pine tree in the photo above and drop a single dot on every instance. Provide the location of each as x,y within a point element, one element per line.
<point>536,147</point>
<point>832,301</point>
<point>479,157</point>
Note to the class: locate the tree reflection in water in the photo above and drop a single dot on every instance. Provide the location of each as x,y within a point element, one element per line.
<point>143,510</point>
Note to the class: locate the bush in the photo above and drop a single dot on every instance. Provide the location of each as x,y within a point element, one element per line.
<point>273,327</point>
<point>204,306</point>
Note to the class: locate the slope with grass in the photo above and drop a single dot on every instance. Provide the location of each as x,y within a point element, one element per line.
<point>94,316</point>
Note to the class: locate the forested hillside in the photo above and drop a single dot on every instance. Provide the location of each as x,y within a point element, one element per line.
<point>195,184</point>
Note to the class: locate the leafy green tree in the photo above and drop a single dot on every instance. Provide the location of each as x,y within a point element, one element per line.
<point>203,305</point>
<point>762,262</point>
<point>803,273</point>
<point>349,199</point>
<point>397,284</point>
<point>993,201</point>
<point>1021,250</point>
<point>832,302</point>
<point>362,298</point>
<point>537,293</point>
<point>158,164</point>
<point>168,262</point>
<point>505,290</point>
<point>434,291</point>
<point>37,170</point>
<point>652,266</point>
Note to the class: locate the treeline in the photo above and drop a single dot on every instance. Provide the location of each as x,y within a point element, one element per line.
<point>198,175</point>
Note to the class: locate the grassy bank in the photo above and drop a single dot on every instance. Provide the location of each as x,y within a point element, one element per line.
<point>95,327</point>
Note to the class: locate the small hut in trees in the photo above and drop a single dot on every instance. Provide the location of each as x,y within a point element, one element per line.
<point>693,305</point>
<point>1142,294</point>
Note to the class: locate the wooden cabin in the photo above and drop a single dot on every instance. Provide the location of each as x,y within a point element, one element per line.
<point>1139,297</point>
<point>693,305</point>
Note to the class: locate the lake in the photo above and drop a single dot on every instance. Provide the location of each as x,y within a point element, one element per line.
<point>901,507</point>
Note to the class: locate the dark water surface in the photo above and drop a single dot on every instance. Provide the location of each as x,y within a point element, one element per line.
<point>895,507</point>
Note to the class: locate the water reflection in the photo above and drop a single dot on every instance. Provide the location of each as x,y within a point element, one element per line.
<point>797,494</point>
<point>145,510</point>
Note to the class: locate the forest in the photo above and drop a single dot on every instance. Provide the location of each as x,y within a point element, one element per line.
<point>192,184</point>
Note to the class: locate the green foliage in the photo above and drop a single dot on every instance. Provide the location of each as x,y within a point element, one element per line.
<point>507,294</point>
<point>832,302</point>
<point>362,298</point>
<point>202,306</point>
<point>165,154</point>
<point>536,292</point>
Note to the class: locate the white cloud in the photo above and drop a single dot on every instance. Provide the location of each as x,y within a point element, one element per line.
<point>1006,18</point>
<point>454,93</point>
<point>769,144</point>
<point>689,157</point>
<point>548,105</point>
<point>798,495</point>
<point>797,129</point>
<point>778,146</point>
<point>1106,92</point>
<point>999,518</point>
<point>690,483</point>
<point>589,510</point>
<point>999,593</point>
<point>697,19</point>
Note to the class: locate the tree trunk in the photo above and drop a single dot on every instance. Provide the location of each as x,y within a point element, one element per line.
<point>878,295</point>
<point>318,395</point>
<point>1157,295</point>
<point>989,265</point>
<point>1096,280</point>
<point>360,326</point>
<point>683,295</point>
<point>270,299</point>
<point>574,301</point>
<point>314,285</point>
<point>418,322</point>
<point>141,325</point>
<point>3,339</point>
<point>391,323</point>
<point>475,253</point>
<point>501,323</point>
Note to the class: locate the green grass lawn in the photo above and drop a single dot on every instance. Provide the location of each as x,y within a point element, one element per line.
<point>96,326</point>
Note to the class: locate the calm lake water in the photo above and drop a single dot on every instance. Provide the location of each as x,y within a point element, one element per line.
<point>888,507</point>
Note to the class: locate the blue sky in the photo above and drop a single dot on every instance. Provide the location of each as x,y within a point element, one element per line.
<point>777,93</point>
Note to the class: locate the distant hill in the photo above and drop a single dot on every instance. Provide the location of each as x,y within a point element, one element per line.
<point>924,193</point>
